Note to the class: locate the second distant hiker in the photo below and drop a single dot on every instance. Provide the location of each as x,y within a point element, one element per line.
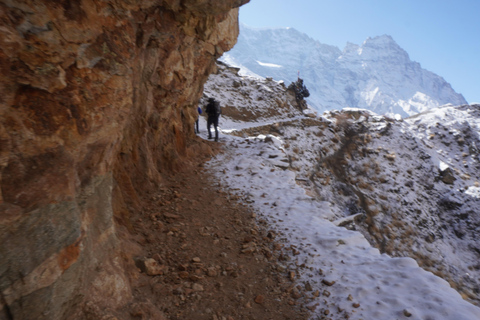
<point>199,110</point>
<point>213,111</point>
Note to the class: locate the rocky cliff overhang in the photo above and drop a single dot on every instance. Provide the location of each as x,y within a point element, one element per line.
<point>97,101</point>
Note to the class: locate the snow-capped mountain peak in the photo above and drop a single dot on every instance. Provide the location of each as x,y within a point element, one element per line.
<point>382,47</point>
<point>377,75</point>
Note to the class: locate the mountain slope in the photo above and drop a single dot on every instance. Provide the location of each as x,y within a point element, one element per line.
<point>378,75</point>
<point>329,184</point>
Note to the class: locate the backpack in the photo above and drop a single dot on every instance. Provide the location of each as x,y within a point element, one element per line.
<point>213,108</point>
<point>218,110</point>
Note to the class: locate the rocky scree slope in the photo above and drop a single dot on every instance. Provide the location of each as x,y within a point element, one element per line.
<point>411,187</point>
<point>97,104</point>
<point>377,75</point>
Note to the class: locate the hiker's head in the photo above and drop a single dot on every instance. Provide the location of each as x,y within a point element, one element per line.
<point>211,99</point>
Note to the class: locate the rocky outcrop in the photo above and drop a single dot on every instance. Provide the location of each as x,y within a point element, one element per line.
<point>97,101</point>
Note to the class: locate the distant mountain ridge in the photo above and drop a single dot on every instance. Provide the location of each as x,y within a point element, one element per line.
<point>377,75</point>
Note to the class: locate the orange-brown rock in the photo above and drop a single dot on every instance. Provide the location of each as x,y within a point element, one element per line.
<point>97,101</point>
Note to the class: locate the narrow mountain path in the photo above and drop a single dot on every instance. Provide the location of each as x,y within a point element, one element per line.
<point>208,255</point>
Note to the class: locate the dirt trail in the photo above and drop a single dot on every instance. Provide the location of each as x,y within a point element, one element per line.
<point>215,259</point>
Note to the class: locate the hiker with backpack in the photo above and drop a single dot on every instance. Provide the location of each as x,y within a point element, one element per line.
<point>213,111</point>
<point>300,89</point>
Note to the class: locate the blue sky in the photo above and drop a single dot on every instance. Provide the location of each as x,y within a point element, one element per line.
<point>442,35</point>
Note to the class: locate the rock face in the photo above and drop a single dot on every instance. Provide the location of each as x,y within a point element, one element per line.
<point>97,100</point>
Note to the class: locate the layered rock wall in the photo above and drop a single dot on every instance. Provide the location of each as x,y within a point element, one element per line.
<point>97,101</point>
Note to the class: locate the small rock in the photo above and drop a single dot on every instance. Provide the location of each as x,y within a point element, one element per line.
<point>259,299</point>
<point>312,307</point>
<point>356,305</point>
<point>390,156</point>
<point>196,259</point>
<point>281,268</point>
<point>326,293</point>
<point>211,272</point>
<point>350,298</point>
<point>248,250</point>
<point>151,267</point>
<point>195,278</point>
<point>296,294</point>
<point>197,287</point>
<point>447,176</point>
<point>171,216</point>
<point>328,283</point>
<point>277,246</point>
<point>308,286</point>
<point>291,275</point>
<point>407,313</point>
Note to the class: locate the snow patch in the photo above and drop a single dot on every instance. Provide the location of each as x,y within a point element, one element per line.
<point>473,191</point>
<point>270,65</point>
<point>443,166</point>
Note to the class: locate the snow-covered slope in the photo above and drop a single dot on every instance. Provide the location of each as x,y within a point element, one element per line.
<point>368,208</point>
<point>378,75</point>
<point>414,183</point>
